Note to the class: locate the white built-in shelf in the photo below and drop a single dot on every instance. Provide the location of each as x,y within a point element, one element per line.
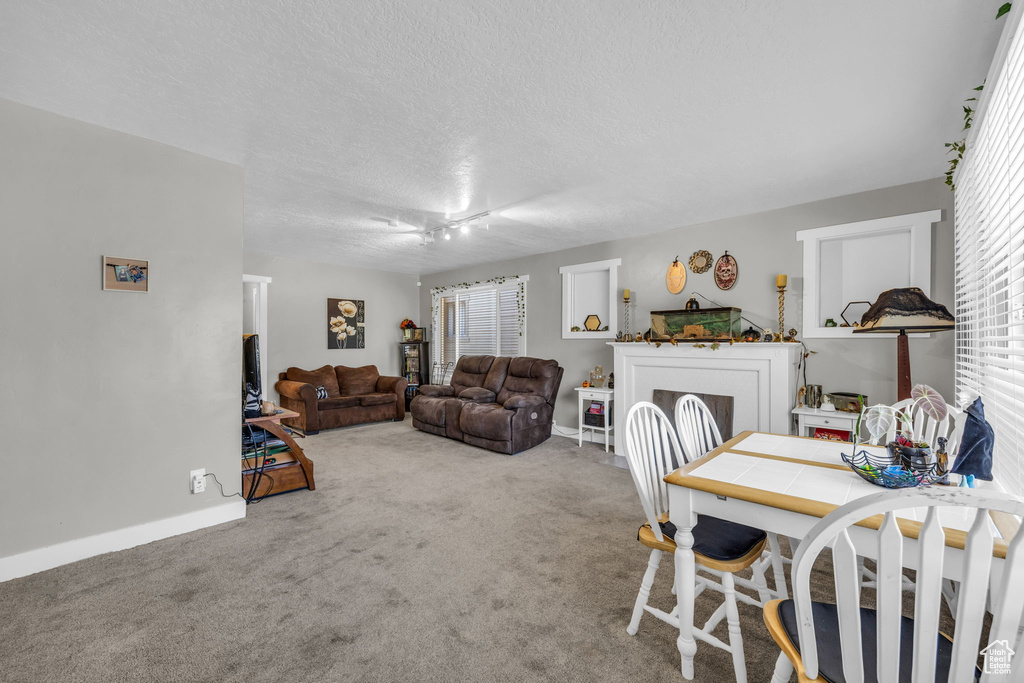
<point>858,261</point>
<point>590,289</point>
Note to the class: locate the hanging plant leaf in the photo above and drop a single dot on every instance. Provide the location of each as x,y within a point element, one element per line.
<point>1003,9</point>
<point>878,419</point>
<point>930,401</point>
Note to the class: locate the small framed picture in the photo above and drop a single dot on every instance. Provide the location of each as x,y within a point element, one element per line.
<point>125,274</point>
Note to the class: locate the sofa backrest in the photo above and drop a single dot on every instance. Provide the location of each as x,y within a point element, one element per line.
<point>471,371</point>
<point>532,376</point>
<point>324,377</point>
<point>357,381</point>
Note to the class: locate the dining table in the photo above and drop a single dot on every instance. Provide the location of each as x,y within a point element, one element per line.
<point>785,484</point>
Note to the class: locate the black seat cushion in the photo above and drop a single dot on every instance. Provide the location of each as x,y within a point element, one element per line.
<point>719,539</point>
<point>826,635</point>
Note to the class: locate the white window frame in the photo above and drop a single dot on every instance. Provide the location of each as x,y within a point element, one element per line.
<point>437,294</point>
<point>989,282</point>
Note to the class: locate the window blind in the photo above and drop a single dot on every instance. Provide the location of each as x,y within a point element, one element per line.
<point>481,319</point>
<point>989,243</point>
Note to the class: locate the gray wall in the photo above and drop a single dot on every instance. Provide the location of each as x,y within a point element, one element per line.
<point>110,398</point>
<point>297,313</point>
<point>764,245</point>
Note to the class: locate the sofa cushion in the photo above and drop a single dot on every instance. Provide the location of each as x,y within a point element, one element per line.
<point>470,371</point>
<point>375,399</point>
<point>487,420</point>
<point>357,381</point>
<point>496,375</point>
<point>337,402</point>
<point>320,377</point>
<point>530,376</point>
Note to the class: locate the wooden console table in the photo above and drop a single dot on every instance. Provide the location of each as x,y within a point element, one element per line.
<point>288,471</point>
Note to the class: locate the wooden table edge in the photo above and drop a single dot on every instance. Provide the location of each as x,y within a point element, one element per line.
<point>955,538</point>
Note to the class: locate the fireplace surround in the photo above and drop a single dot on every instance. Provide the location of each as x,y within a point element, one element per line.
<point>761,378</point>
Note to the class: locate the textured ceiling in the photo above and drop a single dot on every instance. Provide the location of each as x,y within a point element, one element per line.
<point>571,121</point>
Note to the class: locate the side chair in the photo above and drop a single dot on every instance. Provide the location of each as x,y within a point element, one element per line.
<point>699,435</point>
<point>847,642</point>
<point>721,548</point>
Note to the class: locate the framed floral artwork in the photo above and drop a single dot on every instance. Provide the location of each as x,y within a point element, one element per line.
<point>345,319</point>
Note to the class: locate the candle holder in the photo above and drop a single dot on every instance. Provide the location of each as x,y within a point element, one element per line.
<point>782,308</point>
<point>625,312</point>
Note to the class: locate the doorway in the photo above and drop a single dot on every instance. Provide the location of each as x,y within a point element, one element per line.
<point>254,317</point>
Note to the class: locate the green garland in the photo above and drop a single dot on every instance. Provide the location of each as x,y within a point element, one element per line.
<point>496,281</point>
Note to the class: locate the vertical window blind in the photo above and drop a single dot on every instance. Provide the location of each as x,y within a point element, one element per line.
<point>989,241</point>
<point>481,319</point>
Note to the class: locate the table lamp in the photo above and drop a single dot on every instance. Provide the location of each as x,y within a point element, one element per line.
<point>899,311</point>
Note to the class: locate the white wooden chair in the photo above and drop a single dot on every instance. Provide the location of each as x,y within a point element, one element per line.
<point>720,547</point>
<point>699,435</point>
<point>925,429</point>
<point>826,642</point>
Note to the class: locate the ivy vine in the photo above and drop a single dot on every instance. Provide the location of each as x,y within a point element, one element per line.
<point>960,146</point>
<point>439,292</point>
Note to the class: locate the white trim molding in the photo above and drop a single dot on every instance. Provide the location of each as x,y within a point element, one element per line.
<point>858,261</point>
<point>590,288</point>
<point>51,556</point>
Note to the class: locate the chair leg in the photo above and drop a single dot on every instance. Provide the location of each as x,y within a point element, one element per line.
<point>950,592</point>
<point>760,583</point>
<point>645,592</point>
<point>783,669</point>
<point>781,590</point>
<point>739,663</point>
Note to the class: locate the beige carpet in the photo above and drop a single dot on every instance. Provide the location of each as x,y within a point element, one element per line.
<point>416,559</point>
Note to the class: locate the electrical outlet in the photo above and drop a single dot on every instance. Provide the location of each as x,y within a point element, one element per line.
<point>197,480</point>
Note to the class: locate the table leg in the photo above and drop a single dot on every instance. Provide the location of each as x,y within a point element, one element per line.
<point>579,413</point>
<point>685,581</point>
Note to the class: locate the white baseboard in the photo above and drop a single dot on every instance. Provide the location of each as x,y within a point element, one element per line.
<point>52,556</point>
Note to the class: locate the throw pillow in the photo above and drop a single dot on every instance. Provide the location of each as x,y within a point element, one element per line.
<point>321,392</point>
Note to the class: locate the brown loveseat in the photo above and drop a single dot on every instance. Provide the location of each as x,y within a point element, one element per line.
<point>503,404</point>
<point>354,396</point>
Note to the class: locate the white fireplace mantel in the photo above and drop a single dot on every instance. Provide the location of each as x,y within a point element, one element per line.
<point>761,377</point>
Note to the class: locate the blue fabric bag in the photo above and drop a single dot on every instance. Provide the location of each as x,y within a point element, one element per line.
<point>976,445</point>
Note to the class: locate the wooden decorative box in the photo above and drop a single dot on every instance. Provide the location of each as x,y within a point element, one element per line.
<point>707,324</point>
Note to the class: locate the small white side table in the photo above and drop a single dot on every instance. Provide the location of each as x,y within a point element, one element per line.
<point>589,395</point>
<point>810,418</point>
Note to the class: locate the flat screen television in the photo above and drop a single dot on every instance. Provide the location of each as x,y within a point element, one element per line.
<point>252,385</point>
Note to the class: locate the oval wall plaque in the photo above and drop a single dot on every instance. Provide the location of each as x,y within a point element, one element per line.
<point>675,278</point>
<point>726,271</point>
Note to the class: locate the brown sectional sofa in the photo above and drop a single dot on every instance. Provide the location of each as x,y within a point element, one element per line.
<point>499,403</point>
<point>354,396</point>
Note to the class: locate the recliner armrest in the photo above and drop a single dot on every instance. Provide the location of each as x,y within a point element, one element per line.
<point>477,395</point>
<point>437,390</point>
<point>524,401</point>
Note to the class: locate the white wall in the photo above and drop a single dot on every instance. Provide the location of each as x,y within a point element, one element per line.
<point>764,245</point>
<point>297,313</point>
<point>111,398</point>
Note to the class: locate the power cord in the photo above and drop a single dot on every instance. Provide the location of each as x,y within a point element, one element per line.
<point>225,495</point>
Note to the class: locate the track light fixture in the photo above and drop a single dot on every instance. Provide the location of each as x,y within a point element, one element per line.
<point>462,224</point>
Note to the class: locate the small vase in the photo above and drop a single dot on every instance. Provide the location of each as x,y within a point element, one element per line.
<point>911,458</point>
